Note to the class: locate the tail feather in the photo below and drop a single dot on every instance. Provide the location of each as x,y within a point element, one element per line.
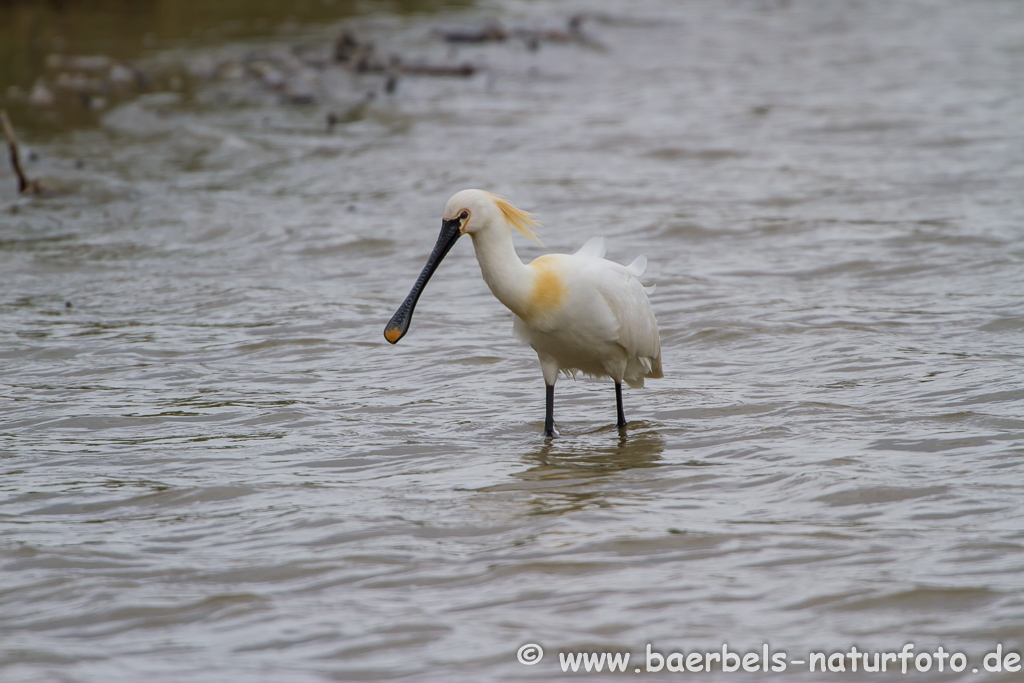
<point>594,248</point>
<point>638,266</point>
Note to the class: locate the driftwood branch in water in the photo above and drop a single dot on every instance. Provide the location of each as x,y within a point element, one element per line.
<point>25,186</point>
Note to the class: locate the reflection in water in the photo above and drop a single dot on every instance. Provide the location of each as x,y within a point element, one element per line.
<point>568,474</point>
<point>572,458</point>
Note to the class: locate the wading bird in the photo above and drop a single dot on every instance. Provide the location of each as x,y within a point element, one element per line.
<point>579,312</point>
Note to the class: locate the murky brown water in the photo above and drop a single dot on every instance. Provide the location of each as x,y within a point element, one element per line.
<point>215,468</point>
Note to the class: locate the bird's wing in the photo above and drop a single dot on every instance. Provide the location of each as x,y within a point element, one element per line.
<point>593,248</point>
<point>627,300</point>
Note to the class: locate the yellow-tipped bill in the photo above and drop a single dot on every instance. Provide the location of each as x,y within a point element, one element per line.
<point>399,323</point>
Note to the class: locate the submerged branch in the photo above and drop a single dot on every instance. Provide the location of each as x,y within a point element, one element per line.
<point>25,186</point>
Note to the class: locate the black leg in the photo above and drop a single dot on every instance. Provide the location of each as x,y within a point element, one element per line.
<point>549,412</point>
<point>618,404</point>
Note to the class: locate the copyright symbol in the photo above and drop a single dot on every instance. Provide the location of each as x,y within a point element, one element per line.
<point>530,654</point>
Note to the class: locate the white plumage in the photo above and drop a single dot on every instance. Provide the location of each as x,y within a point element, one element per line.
<point>606,327</point>
<point>579,312</point>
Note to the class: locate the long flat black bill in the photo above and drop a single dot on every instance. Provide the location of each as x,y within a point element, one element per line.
<point>399,323</point>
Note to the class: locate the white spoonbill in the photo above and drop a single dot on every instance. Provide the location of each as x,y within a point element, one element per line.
<point>579,312</point>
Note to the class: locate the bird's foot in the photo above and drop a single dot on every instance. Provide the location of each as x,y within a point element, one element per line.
<point>550,433</point>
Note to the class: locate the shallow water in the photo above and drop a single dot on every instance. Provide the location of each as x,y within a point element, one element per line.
<point>215,468</point>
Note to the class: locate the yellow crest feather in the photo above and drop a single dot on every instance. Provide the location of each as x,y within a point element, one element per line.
<point>517,218</point>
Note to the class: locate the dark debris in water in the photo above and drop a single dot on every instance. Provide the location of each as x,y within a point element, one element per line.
<point>97,82</point>
<point>495,32</point>
<point>363,58</point>
<point>297,75</point>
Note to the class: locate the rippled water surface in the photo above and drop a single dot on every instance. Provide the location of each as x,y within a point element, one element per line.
<point>215,468</point>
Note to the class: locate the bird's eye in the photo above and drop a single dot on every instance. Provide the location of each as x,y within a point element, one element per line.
<point>464,215</point>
